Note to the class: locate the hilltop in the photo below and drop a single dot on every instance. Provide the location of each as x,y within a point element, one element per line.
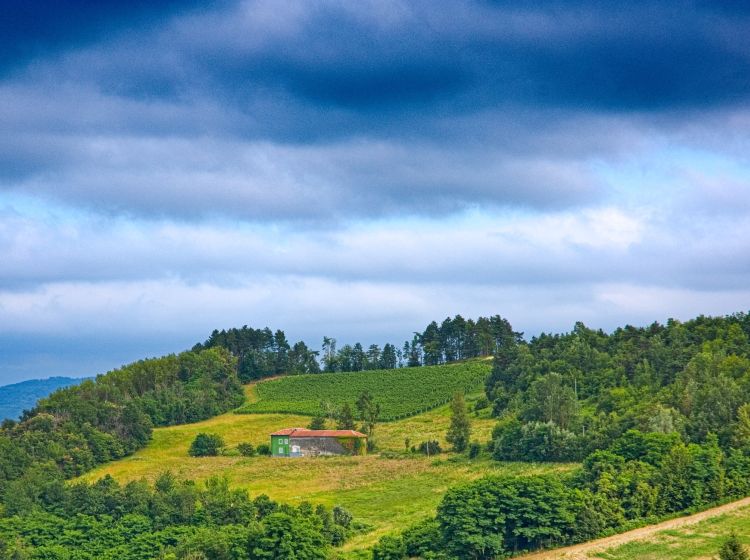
<point>575,436</point>
<point>386,490</point>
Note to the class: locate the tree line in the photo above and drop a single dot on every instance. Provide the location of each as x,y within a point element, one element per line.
<point>173,520</point>
<point>561,397</point>
<point>453,340</point>
<point>263,353</point>
<point>659,417</point>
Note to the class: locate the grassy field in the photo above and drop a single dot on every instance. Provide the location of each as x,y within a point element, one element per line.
<point>700,541</point>
<point>400,392</point>
<point>387,492</point>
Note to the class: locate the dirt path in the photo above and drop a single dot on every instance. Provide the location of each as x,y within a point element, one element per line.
<point>582,551</point>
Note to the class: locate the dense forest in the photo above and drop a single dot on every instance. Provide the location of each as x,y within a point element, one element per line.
<point>263,353</point>
<point>109,417</point>
<point>171,520</point>
<point>659,416</point>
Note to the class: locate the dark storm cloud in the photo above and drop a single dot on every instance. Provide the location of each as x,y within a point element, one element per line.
<point>273,110</point>
<point>458,56</point>
<point>37,28</point>
<point>414,57</point>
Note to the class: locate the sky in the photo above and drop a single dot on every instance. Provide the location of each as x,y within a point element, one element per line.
<point>359,169</point>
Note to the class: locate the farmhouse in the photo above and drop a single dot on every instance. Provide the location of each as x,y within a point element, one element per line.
<point>301,442</point>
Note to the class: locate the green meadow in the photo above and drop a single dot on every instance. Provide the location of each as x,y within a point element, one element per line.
<point>388,490</point>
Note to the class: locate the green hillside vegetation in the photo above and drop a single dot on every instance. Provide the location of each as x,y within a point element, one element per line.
<point>169,520</point>
<point>79,427</point>
<point>399,392</point>
<point>385,491</point>
<point>659,416</point>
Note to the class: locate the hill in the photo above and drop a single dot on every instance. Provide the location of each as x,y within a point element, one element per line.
<point>399,392</point>
<point>657,416</point>
<point>387,491</point>
<point>17,397</point>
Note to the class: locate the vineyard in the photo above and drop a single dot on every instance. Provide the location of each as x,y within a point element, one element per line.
<point>400,392</point>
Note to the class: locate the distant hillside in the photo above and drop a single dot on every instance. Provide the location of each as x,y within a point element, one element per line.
<point>16,398</point>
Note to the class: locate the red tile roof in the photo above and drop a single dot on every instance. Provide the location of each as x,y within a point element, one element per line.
<point>304,432</point>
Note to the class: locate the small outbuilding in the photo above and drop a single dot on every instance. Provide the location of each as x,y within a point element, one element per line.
<point>301,442</point>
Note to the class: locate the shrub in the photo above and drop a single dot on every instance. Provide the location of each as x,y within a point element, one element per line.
<point>535,441</point>
<point>460,428</point>
<point>423,539</point>
<point>263,449</point>
<point>474,449</point>
<point>431,447</point>
<point>246,449</point>
<point>337,535</point>
<point>389,548</point>
<point>342,516</point>
<point>206,445</point>
<point>317,423</point>
<point>482,403</point>
<point>732,549</point>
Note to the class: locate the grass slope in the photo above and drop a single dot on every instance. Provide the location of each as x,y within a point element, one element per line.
<point>388,493</point>
<point>692,542</point>
<point>400,392</point>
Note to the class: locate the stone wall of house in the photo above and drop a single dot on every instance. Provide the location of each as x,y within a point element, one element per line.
<point>312,446</point>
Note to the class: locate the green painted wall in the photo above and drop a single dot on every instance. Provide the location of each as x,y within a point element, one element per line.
<point>280,446</point>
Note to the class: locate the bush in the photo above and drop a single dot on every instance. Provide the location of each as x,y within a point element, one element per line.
<point>431,447</point>
<point>732,549</point>
<point>206,445</point>
<point>246,449</point>
<point>535,441</point>
<point>475,449</point>
<point>342,516</point>
<point>317,423</point>
<point>389,548</point>
<point>337,535</point>
<point>482,403</point>
<point>263,449</point>
<point>423,539</point>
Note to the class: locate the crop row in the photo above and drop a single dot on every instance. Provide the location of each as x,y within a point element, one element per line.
<point>399,392</point>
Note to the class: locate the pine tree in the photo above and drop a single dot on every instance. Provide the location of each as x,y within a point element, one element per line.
<point>460,428</point>
<point>732,549</point>
<point>345,420</point>
<point>317,423</point>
